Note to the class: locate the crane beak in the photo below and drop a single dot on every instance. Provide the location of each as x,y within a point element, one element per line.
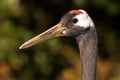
<point>55,31</point>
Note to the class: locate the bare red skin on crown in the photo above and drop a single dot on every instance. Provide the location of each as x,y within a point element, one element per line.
<point>75,12</point>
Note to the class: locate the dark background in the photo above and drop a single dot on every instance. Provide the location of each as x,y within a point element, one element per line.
<point>58,58</point>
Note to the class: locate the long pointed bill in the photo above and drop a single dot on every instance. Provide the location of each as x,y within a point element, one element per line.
<point>55,31</point>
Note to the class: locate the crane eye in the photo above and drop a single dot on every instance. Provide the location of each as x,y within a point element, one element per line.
<point>74,20</point>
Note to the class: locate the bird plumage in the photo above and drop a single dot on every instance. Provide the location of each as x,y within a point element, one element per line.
<point>76,24</point>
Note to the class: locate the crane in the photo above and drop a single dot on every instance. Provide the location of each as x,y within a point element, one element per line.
<point>79,25</point>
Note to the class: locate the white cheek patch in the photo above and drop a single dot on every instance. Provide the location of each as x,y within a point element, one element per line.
<point>84,20</point>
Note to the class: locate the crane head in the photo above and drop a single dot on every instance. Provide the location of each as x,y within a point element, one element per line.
<point>73,23</point>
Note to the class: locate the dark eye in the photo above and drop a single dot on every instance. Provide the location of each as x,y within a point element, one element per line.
<point>74,20</point>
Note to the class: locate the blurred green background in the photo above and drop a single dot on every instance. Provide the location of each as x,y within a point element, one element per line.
<point>58,58</point>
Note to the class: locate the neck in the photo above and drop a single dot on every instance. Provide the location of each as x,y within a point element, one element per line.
<point>88,54</point>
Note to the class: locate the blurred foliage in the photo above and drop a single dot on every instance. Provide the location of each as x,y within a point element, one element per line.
<point>56,59</point>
